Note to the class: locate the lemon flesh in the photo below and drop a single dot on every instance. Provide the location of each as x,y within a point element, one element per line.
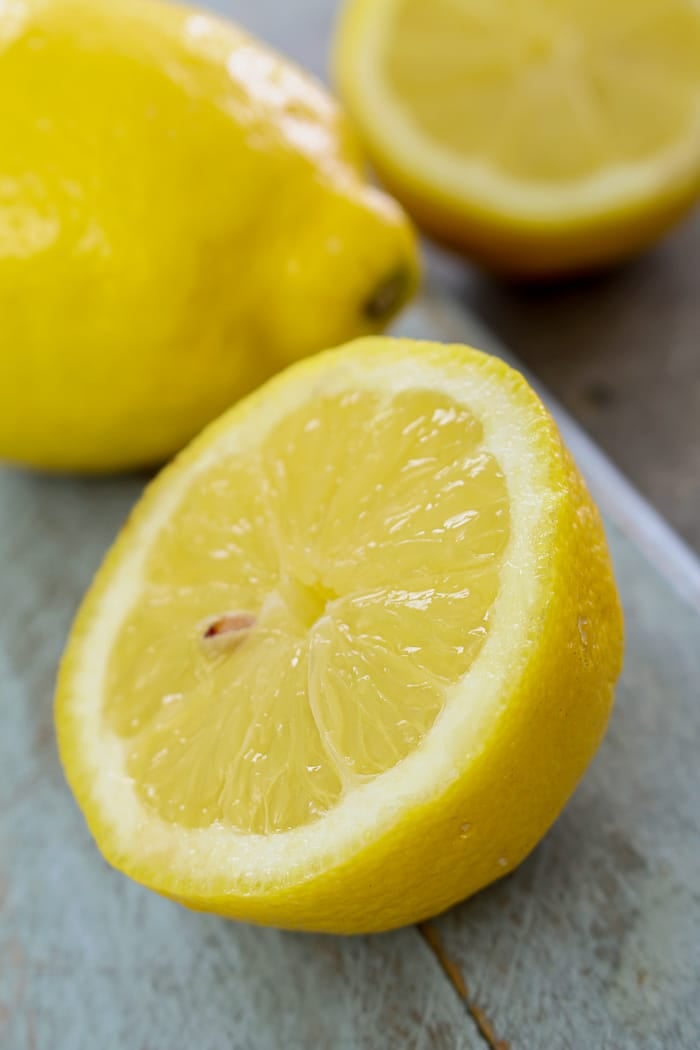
<point>363,547</point>
<point>499,120</point>
<point>353,649</point>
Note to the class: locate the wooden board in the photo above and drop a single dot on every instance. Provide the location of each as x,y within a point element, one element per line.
<point>593,943</point>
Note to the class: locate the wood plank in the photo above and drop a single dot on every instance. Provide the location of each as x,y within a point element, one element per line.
<point>88,959</point>
<point>622,353</point>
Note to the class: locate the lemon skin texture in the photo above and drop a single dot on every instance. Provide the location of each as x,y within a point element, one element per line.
<point>182,213</point>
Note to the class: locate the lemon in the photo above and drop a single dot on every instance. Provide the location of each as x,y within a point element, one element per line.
<point>182,213</point>
<point>353,649</point>
<point>541,137</point>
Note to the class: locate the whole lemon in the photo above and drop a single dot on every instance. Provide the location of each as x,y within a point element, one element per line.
<point>182,213</point>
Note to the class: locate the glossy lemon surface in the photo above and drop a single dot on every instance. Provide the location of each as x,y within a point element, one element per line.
<point>182,213</point>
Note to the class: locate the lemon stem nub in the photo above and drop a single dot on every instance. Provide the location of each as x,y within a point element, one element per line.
<point>387,297</point>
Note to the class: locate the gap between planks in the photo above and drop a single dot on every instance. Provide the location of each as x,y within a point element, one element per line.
<point>454,975</point>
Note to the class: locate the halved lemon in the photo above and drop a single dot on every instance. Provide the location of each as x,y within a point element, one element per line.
<point>542,137</point>
<point>353,649</point>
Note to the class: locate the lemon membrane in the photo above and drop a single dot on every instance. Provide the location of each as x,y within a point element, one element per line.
<point>305,610</point>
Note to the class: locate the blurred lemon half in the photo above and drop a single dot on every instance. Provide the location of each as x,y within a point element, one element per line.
<point>541,137</point>
<point>353,649</point>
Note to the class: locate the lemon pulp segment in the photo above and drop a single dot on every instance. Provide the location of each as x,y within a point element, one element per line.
<point>549,92</point>
<point>305,610</point>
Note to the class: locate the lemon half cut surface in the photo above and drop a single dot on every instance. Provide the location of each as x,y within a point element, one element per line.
<point>353,649</point>
<point>543,137</point>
